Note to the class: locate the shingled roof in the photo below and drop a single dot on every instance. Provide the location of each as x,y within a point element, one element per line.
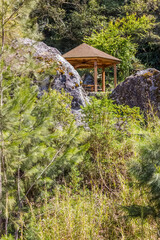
<point>84,56</point>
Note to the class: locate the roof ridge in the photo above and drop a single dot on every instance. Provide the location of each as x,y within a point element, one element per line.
<point>84,50</point>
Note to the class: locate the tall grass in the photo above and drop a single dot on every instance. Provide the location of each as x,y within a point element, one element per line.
<point>90,206</point>
<point>87,215</point>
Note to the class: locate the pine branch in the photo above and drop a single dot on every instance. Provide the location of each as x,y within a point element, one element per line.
<point>57,153</point>
<point>15,12</point>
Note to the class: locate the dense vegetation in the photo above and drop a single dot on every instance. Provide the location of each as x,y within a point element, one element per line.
<point>65,24</point>
<point>63,181</point>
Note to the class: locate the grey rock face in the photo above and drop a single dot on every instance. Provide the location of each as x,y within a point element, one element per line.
<point>140,90</point>
<point>67,77</point>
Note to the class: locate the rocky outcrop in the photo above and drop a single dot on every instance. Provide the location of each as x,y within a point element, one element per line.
<point>140,90</point>
<point>65,77</point>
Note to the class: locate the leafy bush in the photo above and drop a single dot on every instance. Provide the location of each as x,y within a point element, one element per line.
<point>39,142</point>
<point>117,38</point>
<point>145,169</point>
<point>111,128</point>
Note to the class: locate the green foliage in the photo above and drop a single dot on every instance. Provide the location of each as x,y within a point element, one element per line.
<point>84,215</point>
<point>14,20</point>
<point>148,48</point>
<point>118,39</point>
<point>146,172</point>
<point>142,6</point>
<point>60,181</point>
<point>64,24</point>
<point>112,9</point>
<point>39,143</point>
<point>91,163</point>
<point>111,128</point>
<point>10,237</point>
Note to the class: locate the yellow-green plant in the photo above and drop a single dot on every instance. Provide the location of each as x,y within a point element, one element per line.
<point>118,39</point>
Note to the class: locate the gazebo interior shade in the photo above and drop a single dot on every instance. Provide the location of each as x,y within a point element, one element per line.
<point>84,56</point>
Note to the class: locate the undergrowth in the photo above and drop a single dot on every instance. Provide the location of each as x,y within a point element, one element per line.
<point>93,185</point>
<point>87,215</point>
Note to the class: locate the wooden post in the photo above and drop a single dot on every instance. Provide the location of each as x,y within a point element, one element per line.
<point>95,76</point>
<point>103,79</point>
<point>115,75</point>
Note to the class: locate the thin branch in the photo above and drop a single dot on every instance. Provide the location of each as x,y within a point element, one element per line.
<point>57,153</point>
<point>16,11</point>
<point>2,30</point>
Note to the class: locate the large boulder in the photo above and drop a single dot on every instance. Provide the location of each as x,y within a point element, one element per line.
<point>141,90</point>
<point>66,77</point>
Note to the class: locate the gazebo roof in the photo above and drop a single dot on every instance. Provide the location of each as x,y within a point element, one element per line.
<point>84,56</point>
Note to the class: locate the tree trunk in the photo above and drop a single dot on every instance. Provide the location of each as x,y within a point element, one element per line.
<point>6,220</point>
<point>19,202</point>
<point>1,132</point>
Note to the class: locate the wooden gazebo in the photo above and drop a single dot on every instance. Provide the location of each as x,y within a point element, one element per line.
<point>85,56</point>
